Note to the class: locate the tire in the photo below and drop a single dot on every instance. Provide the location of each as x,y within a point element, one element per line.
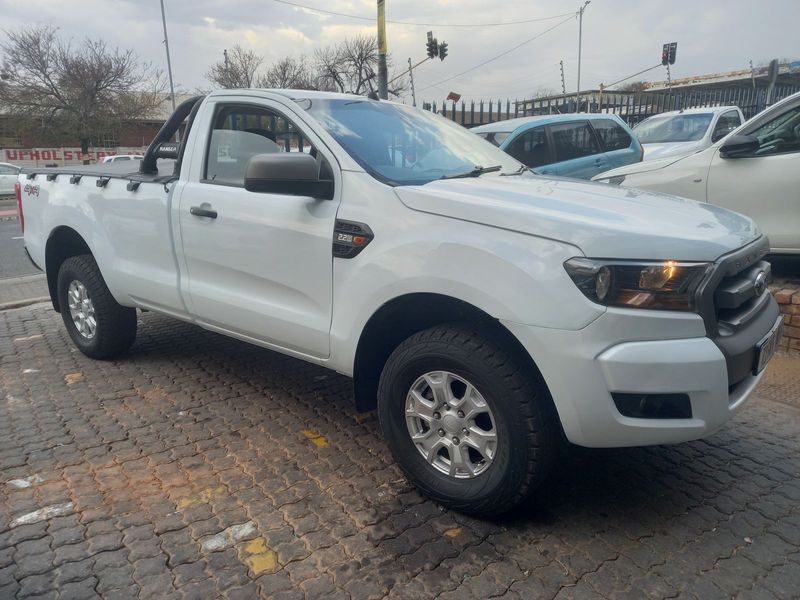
<point>114,327</point>
<point>520,414</point>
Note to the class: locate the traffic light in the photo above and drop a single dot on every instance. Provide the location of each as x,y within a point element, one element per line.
<point>665,55</point>
<point>432,46</point>
<point>442,50</point>
<point>673,49</point>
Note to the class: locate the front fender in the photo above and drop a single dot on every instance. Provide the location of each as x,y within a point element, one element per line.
<point>507,275</point>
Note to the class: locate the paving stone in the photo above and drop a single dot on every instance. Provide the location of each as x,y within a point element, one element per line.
<point>194,435</point>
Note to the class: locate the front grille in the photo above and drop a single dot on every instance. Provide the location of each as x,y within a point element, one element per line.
<point>739,297</point>
<point>735,316</point>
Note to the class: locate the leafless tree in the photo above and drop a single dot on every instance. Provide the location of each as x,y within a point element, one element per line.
<point>289,73</point>
<point>79,91</point>
<point>349,66</point>
<point>238,69</point>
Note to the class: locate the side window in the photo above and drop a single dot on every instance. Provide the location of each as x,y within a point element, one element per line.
<point>780,135</point>
<point>612,136</point>
<point>531,148</point>
<point>239,132</point>
<point>726,123</point>
<point>573,140</point>
<point>7,170</point>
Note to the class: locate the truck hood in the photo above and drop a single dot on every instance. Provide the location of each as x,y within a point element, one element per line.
<point>604,221</point>
<point>641,167</point>
<point>668,149</point>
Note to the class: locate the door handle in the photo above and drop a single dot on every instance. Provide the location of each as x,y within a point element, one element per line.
<point>203,212</point>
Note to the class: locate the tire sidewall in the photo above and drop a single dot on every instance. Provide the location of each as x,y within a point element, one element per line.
<point>68,273</point>
<point>506,472</point>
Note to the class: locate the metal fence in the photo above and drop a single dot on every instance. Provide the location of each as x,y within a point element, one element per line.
<point>630,106</point>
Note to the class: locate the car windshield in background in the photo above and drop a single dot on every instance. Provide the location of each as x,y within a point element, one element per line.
<point>400,145</point>
<point>674,128</point>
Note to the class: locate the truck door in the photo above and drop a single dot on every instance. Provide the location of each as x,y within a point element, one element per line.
<point>259,265</point>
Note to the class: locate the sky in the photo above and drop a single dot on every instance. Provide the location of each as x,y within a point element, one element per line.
<point>620,37</point>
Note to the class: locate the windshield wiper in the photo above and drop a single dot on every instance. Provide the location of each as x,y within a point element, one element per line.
<point>476,172</point>
<point>520,171</point>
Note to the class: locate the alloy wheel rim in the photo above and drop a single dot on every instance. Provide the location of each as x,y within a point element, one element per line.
<point>81,309</point>
<point>451,424</point>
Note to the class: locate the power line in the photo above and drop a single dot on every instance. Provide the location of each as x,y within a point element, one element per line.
<point>362,18</point>
<point>502,54</point>
<point>632,76</point>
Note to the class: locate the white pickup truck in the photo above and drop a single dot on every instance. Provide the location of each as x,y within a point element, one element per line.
<point>488,313</point>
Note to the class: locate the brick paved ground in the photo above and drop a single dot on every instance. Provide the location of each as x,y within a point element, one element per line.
<point>22,290</point>
<point>201,467</point>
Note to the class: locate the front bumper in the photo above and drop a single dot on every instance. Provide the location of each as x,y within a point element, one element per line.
<point>662,353</point>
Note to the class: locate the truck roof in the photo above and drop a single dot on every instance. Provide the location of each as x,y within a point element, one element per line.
<point>698,110</point>
<point>289,93</point>
<point>525,122</point>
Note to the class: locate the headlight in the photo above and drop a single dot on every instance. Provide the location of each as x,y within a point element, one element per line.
<point>658,285</point>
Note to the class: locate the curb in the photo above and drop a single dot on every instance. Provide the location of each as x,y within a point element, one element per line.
<point>23,303</point>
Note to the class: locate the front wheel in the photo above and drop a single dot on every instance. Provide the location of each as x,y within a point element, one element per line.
<point>99,326</point>
<point>469,426</point>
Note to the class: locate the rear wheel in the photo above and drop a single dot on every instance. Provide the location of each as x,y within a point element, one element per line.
<point>99,326</point>
<point>469,426</point>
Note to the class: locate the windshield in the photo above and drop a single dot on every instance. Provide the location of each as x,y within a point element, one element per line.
<point>673,128</point>
<point>400,145</point>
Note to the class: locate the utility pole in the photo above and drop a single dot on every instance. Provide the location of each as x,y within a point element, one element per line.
<point>563,85</point>
<point>169,62</point>
<point>580,40</point>
<point>383,76</point>
<point>411,74</point>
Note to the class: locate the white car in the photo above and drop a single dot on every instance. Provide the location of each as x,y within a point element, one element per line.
<point>686,131</point>
<point>484,310</point>
<point>121,158</point>
<point>8,177</point>
<point>754,171</point>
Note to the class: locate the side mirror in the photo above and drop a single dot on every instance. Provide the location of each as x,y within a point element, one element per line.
<point>739,145</point>
<point>291,173</point>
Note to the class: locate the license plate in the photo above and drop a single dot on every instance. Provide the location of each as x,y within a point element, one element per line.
<point>766,348</point>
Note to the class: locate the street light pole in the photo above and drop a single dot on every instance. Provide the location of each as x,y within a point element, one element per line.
<point>383,76</point>
<point>169,62</point>
<point>580,40</point>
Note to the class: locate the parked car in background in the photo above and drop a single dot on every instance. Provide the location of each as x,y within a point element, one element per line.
<point>686,131</point>
<point>754,171</point>
<point>578,145</point>
<point>122,158</point>
<point>8,177</point>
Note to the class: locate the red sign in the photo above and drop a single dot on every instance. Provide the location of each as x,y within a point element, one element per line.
<point>55,154</point>
<point>60,156</point>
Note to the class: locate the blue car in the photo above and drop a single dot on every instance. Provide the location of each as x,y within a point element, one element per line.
<point>576,145</point>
